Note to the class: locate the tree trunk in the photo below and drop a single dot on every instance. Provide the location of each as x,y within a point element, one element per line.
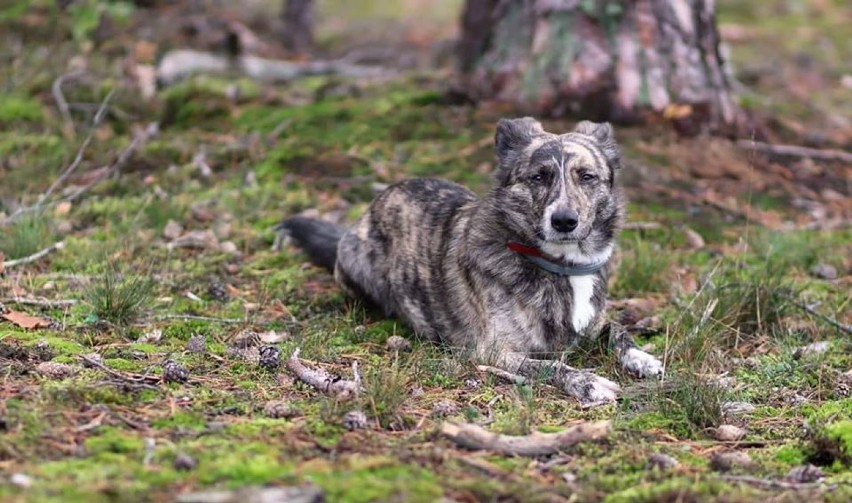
<point>298,16</point>
<point>606,60</point>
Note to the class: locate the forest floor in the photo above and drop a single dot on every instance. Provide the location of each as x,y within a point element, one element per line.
<point>735,268</point>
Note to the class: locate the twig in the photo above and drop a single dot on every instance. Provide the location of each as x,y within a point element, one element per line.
<point>61,102</point>
<point>39,302</point>
<point>192,317</point>
<point>321,380</point>
<point>96,121</point>
<point>843,327</point>
<point>641,226</point>
<point>797,151</point>
<point>475,437</point>
<point>35,256</point>
<point>502,374</point>
<point>132,379</point>
<point>776,484</point>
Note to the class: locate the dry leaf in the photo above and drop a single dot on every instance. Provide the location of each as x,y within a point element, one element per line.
<point>63,208</point>
<point>675,111</point>
<point>25,321</point>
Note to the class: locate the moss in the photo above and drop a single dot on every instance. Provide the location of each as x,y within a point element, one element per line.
<point>17,108</point>
<point>385,480</point>
<point>841,432</point>
<point>111,440</point>
<point>791,455</point>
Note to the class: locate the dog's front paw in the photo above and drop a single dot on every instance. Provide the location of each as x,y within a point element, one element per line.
<point>590,389</point>
<point>641,364</point>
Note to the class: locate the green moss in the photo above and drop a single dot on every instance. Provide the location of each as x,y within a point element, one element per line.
<point>841,432</point>
<point>791,455</point>
<point>388,481</point>
<point>17,108</point>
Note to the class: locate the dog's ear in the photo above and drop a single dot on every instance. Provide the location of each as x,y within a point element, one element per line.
<point>605,137</point>
<point>514,134</point>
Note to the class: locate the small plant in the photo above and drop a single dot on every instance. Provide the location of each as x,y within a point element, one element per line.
<point>643,269</point>
<point>385,390</point>
<point>692,401</point>
<point>119,297</point>
<point>25,236</point>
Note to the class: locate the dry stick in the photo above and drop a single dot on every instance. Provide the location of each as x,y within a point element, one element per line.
<point>797,151</point>
<point>502,374</point>
<point>641,226</point>
<point>321,380</point>
<point>831,321</point>
<point>61,102</point>
<point>192,317</point>
<point>39,302</point>
<point>35,256</point>
<point>475,437</point>
<point>776,484</point>
<point>99,117</point>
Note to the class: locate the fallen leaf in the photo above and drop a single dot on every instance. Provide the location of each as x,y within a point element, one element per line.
<point>63,208</point>
<point>25,321</point>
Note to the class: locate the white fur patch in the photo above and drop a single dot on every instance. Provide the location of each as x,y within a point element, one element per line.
<point>641,363</point>
<point>582,311</point>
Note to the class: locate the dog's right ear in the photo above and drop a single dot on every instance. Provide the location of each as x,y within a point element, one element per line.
<point>514,134</point>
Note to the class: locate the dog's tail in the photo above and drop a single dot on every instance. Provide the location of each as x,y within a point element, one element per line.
<point>317,238</point>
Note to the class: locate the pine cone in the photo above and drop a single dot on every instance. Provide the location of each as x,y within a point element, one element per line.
<point>277,409</point>
<point>270,358</point>
<point>355,420</point>
<point>196,344</point>
<point>174,372</point>
<point>218,292</point>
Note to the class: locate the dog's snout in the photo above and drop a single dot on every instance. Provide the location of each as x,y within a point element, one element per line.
<point>564,220</point>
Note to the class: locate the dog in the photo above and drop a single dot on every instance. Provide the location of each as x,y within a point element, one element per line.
<point>517,278</point>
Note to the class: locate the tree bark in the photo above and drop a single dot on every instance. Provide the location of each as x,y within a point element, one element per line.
<point>298,16</point>
<point>606,60</point>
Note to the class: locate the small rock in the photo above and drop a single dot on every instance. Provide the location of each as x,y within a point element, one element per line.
<point>805,474</point>
<point>185,462</point>
<point>472,383</point>
<point>173,230</point>
<point>21,480</point>
<point>662,461</point>
<point>824,271</point>
<point>569,477</point>
<point>196,344</point>
<point>276,409</point>
<point>92,357</point>
<point>204,240</point>
<point>354,420</point>
<point>269,357</point>
<point>815,348</point>
<point>174,372</point>
<point>230,248</point>
<point>445,407</point>
<point>736,408</point>
<point>693,239</point>
<point>3,308</point>
<point>725,461</point>
<point>56,370</point>
<point>397,343</point>
<point>151,336</point>
<point>728,433</point>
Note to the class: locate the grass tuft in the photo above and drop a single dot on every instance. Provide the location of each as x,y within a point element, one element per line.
<point>25,236</point>
<point>688,400</point>
<point>120,297</point>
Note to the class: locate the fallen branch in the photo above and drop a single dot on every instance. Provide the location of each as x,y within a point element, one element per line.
<point>39,302</point>
<point>641,226</point>
<point>475,437</point>
<point>35,256</point>
<point>776,484</point>
<point>321,380</point>
<point>502,374</point>
<point>134,380</point>
<point>797,151</point>
<point>61,102</point>
<point>192,317</point>
<point>843,327</point>
<point>180,64</point>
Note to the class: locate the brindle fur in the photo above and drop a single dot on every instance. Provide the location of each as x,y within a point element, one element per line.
<point>433,254</point>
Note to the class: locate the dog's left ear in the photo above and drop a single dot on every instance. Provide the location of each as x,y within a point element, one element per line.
<point>605,137</point>
<point>514,134</point>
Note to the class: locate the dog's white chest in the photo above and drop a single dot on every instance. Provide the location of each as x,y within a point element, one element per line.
<point>582,310</point>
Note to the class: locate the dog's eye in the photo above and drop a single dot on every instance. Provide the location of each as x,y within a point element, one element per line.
<point>588,177</point>
<point>539,177</point>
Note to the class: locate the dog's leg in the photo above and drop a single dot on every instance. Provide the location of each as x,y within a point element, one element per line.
<point>590,389</point>
<point>630,357</point>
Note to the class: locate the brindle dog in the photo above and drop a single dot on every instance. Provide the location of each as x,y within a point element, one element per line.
<point>518,277</point>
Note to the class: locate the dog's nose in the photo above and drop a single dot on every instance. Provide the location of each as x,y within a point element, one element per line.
<point>564,220</point>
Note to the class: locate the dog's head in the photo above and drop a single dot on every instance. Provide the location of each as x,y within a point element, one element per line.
<point>557,191</point>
